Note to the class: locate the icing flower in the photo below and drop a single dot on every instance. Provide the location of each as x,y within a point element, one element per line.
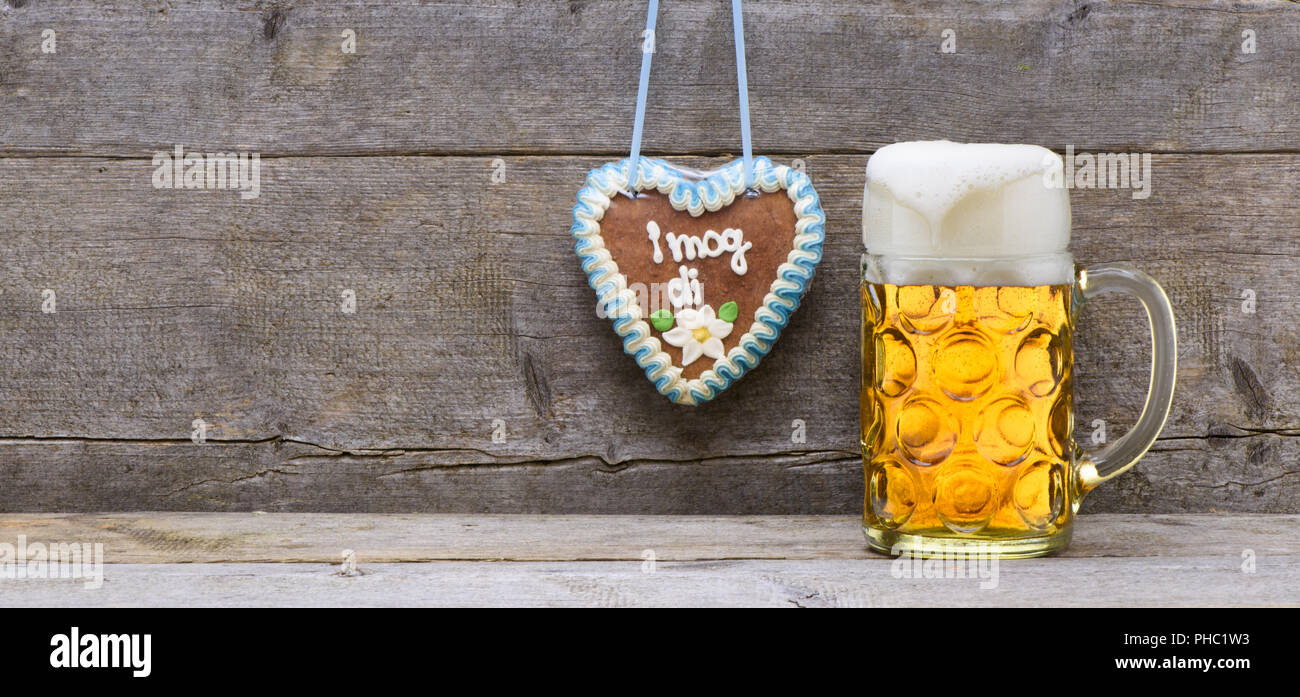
<point>698,333</point>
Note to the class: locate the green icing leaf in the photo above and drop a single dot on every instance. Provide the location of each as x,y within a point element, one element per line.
<point>662,319</point>
<point>728,311</point>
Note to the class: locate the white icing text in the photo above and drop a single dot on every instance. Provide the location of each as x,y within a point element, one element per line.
<point>685,290</point>
<point>712,244</point>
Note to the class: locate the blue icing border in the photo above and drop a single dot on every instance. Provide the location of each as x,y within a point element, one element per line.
<point>711,193</point>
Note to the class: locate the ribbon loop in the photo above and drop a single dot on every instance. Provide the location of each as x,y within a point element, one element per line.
<point>643,87</point>
<point>742,84</point>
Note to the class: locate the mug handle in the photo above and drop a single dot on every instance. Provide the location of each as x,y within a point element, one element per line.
<point>1116,458</point>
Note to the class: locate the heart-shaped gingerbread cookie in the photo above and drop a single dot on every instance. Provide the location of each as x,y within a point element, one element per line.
<point>698,275</point>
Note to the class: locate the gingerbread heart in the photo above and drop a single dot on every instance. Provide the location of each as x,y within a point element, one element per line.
<point>698,275</point>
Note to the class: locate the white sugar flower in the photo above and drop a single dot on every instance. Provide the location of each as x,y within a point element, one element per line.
<point>698,332</point>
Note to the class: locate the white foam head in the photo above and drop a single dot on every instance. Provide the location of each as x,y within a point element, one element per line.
<point>981,203</point>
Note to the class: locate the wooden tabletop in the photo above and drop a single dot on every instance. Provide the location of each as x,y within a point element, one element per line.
<point>270,559</point>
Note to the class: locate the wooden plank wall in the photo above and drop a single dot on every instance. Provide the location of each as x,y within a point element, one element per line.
<point>472,314</point>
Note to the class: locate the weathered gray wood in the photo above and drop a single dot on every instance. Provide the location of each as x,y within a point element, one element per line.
<point>1116,560</point>
<point>177,305</point>
<point>154,538</point>
<point>558,77</point>
<point>1165,582</point>
<point>109,475</point>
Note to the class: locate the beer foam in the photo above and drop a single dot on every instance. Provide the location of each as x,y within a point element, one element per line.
<point>939,199</point>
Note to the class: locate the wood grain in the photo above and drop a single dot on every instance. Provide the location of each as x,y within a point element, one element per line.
<point>774,561</point>
<point>471,308</point>
<point>1167,582</point>
<point>472,314</point>
<point>499,78</point>
<point>168,538</point>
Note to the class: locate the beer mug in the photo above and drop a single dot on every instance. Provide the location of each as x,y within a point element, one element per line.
<point>969,298</point>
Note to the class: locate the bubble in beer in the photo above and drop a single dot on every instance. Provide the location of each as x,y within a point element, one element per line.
<point>872,422</point>
<point>1061,419</point>
<point>1039,494</point>
<point>895,363</point>
<point>1004,431</point>
<point>926,309</point>
<point>1005,309</point>
<point>872,307</point>
<point>927,433</point>
<point>1040,362</point>
<point>965,365</point>
<point>892,493</point>
<point>964,496</point>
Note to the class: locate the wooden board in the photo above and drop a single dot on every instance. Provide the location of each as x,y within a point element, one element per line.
<point>558,77</point>
<point>472,315</point>
<point>1177,582</point>
<point>175,306</point>
<point>159,538</point>
<point>1119,560</point>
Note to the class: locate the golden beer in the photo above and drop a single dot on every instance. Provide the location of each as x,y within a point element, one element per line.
<point>966,413</point>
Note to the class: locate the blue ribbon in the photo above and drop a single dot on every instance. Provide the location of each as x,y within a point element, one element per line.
<point>742,84</point>
<point>643,86</point>
<point>647,42</point>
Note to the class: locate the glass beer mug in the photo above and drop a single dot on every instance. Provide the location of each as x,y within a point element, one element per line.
<point>968,304</point>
